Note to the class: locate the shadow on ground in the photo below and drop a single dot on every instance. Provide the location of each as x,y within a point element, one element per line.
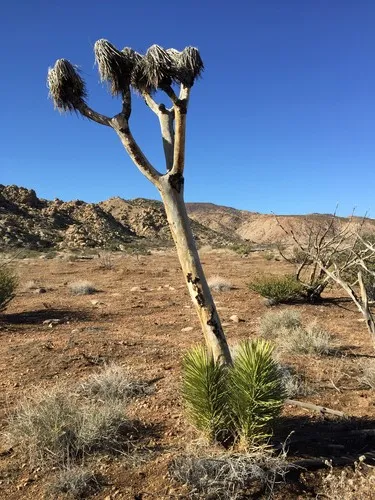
<point>40,315</point>
<point>339,441</point>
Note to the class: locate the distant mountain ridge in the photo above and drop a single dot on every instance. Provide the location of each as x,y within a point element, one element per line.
<point>27,221</point>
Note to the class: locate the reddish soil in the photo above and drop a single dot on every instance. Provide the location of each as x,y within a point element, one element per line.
<point>142,330</point>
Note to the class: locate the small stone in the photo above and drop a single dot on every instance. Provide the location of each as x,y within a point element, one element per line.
<point>37,291</point>
<point>94,302</point>
<point>187,329</point>
<point>135,289</point>
<point>235,318</point>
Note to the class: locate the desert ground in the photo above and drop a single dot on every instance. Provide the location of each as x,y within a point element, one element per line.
<point>141,318</point>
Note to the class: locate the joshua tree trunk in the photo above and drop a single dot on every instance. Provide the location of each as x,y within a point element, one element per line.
<point>171,190</point>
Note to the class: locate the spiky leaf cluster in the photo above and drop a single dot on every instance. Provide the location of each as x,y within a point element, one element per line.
<point>256,390</point>
<point>234,403</point>
<point>205,393</point>
<point>66,87</point>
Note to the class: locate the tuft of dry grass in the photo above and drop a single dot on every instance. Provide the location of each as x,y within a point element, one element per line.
<point>82,288</point>
<point>368,374</point>
<point>312,340</point>
<point>113,383</point>
<point>219,284</point>
<point>76,482</point>
<point>229,476</point>
<point>54,426</point>
<point>274,322</point>
<point>349,483</point>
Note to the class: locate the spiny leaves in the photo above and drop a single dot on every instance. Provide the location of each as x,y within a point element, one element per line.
<point>238,402</point>
<point>66,87</point>
<point>204,392</point>
<point>256,389</point>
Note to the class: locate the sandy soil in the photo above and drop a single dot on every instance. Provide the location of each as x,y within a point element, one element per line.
<point>142,329</point>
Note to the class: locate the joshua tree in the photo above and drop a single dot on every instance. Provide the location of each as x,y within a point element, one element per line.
<point>159,69</point>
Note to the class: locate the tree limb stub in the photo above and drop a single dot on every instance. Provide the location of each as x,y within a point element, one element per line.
<point>320,409</point>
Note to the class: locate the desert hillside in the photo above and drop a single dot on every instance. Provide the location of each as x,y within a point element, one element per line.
<point>30,222</point>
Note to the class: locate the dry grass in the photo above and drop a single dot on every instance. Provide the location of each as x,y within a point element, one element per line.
<point>54,426</point>
<point>113,383</point>
<point>219,284</point>
<point>368,374</point>
<point>76,482</point>
<point>349,484</point>
<point>82,288</point>
<point>311,340</point>
<point>229,476</point>
<point>274,322</point>
<point>286,330</point>
<point>295,384</point>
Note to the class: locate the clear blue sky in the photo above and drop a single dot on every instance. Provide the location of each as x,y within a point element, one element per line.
<point>283,119</point>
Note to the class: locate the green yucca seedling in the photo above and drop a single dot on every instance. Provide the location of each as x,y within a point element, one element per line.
<point>234,403</point>
<point>256,391</point>
<point>204,391</point>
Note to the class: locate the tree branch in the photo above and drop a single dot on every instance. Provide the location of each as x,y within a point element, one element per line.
<point>93,115</point>
<point>121,126</point>
<point>180,111</point>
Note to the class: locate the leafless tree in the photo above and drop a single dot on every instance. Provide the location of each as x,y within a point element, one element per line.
<point>158,69</point>
<point>339,253</point>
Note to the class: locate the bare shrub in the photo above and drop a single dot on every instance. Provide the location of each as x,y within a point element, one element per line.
<point>219,284</point>
<point>113,383</point>
<point>368,374</point>
<point>54,426</point>
<point>229,476</point>
<point>312,340</point>
<point>76,482</point>
<point>82,288</point>
<point>272,322</point>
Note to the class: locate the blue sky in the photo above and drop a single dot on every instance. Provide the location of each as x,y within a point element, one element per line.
<point>283,119</point>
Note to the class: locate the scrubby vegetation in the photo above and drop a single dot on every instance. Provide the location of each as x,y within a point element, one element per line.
<point>219,284</point>
<point>8,285</point>
<point>82,288</point>
<point>278,289</point>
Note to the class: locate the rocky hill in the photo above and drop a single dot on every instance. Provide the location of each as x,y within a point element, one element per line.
<point>29,222</point>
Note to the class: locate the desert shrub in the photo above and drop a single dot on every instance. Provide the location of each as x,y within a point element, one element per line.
<point>113,383</point>
<point>279,289</point>
<point>53,426</point>
<point>273,322</point>
<point>242,249</point>
<point>312,340</point>
<point>233,403</point>
<point>105,260</point>
<point>8,285</point>
<point>229,476</point>
<point>294,383</point>
<point>76,482</point>
<point>268,255</point>
<point>82,288</point>
<point>219,284</point>
<point>368,374</point>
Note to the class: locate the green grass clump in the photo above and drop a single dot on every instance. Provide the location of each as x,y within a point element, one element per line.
<point>8,285</point>
<point>278,289</point>
<point>238,403</point>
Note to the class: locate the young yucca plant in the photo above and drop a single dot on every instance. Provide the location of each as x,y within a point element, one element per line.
<point>205,394</point>
<point>256,391</point>
<point>237,403</point>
